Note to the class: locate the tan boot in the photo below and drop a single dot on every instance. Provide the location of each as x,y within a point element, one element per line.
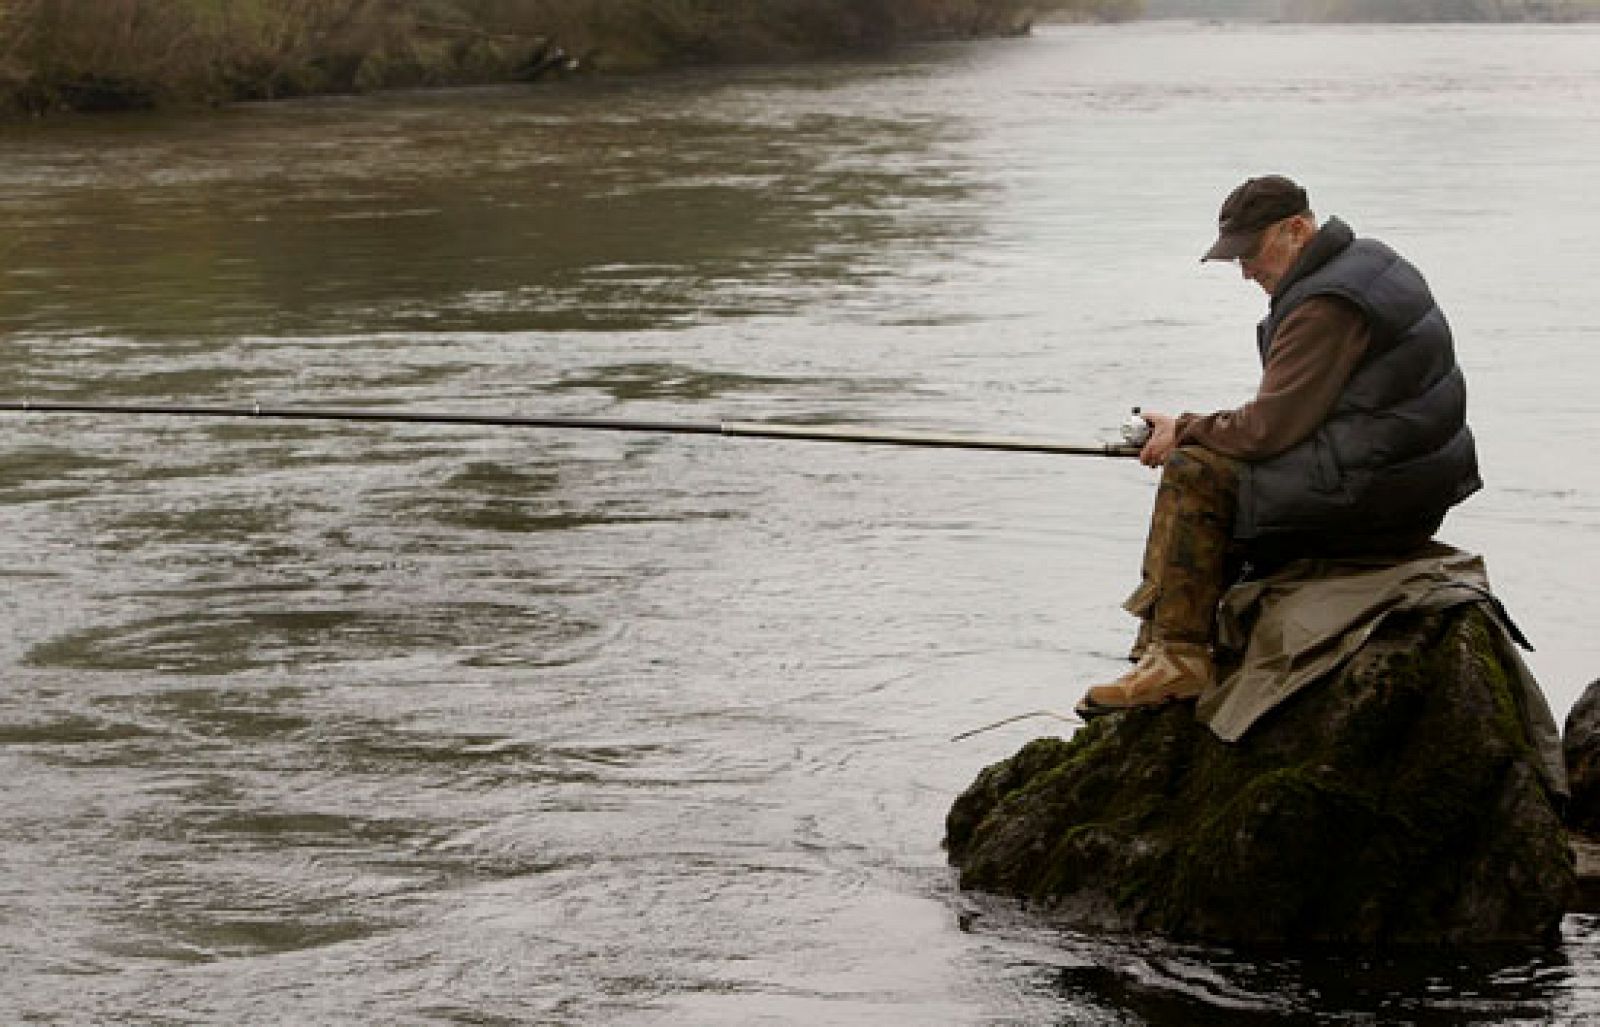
<point>1168,672</point>
<point>1142,641</point>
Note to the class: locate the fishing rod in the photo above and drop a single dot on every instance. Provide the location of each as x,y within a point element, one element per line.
<point>738,429</point>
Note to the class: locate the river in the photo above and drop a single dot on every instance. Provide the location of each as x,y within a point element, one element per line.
<point>332,723</point>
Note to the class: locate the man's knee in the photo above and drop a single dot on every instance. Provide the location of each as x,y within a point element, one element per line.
<point>1200,486</point>
<point>1198,464</point>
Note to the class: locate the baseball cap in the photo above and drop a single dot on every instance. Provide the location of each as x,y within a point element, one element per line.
<point>1251,208</point>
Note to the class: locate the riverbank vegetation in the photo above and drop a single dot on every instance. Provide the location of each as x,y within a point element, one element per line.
<point>113,54</point>
<point>1091,10</point>
<point>119,54</point>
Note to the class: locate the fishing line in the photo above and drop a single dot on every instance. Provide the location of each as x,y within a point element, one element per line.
<point>1012,720</point>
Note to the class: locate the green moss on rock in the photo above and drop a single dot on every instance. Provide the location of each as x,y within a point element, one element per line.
<point>1396,802</point>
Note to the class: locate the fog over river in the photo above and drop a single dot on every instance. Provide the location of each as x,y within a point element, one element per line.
<point>332,723</point>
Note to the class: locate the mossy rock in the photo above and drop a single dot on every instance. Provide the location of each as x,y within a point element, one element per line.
<point>1580,742</point>
<point>1396,802</point>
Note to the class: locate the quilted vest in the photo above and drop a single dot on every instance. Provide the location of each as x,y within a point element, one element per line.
<point>1395,452</point>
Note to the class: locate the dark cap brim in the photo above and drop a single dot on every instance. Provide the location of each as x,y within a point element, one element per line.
<point>1231,246</point>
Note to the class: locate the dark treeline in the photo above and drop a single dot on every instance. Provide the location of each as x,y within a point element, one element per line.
<point>102,54</point>
<point>114,54</point>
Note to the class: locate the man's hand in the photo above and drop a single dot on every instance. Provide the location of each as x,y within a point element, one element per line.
<point>1163,439</point>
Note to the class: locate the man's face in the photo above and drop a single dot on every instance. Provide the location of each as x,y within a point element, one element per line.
<point>1276,251</point>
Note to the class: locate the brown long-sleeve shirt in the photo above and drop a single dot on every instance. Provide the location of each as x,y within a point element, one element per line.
<point>1310,359</point>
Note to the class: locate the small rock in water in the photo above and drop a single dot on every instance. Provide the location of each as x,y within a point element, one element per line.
<point>1581,744</point>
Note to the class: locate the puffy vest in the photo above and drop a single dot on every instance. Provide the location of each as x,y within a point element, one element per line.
<point>1395,453</point>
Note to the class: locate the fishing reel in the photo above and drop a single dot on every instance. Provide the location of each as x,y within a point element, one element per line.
<point>1135,430</point>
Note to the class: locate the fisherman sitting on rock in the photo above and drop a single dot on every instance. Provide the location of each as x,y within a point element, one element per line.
<point>1355,444</point>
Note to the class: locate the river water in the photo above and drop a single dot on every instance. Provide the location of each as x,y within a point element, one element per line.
<point>329,723</point>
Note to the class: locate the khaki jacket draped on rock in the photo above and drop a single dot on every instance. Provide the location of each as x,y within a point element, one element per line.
<point>1304,622</point>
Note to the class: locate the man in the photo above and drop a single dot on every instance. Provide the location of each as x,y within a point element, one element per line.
<point>1355,444</point>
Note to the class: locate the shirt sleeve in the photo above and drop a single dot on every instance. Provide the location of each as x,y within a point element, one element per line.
<point>1308,363</point>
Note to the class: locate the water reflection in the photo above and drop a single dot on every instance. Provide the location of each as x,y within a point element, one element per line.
<point>623,382</point>
<point>614,210</point>
<point>40,472</point>
<point>227,642</point>
<point>1154,982</point>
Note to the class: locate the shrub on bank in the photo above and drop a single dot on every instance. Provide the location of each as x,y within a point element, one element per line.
<point>108,54</point>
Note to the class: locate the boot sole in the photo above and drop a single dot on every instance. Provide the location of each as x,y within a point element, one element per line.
<point>1092,710</point>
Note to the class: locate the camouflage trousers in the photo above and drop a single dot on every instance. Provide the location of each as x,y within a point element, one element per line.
<point>1190,552</point>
